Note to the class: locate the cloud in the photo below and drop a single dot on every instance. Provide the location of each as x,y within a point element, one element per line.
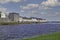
<point>40,8</point>
<point>29,9</point>
<point>44,7</point>
<point>3,9</point>
<point>6,1</point>
<point>37,8</point>
<point>47,9</point>
<point>43,13</point>
<point>30,6</point>
<point>57,13</point>
<point>22,11</point>
<point>50,3</point>
<point>34,11</point>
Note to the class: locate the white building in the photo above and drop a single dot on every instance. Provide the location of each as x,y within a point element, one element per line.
<point>43,21</point>
<point>24,19</point>
<point>3,14</point>
<point>4,17</point>
<point>34,20</point>
<point>20,19</point>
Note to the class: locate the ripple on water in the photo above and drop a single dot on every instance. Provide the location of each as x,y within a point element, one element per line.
<point>27,30</point>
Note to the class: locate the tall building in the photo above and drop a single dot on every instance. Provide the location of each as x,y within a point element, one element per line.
<point>14,17</point>
<point>3,15</point>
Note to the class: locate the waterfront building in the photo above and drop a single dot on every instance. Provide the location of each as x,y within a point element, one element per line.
<point>20,19</point>
<point>43,20</point>
<point>34,20</point>
<point>3,17</point>
<point>31,19</point>
<point>14,17</point>
<point>25,19</point>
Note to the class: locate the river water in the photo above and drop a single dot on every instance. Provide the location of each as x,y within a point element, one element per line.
<point>17,32</point>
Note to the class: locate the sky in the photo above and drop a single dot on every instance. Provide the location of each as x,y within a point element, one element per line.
<point>46,9</point>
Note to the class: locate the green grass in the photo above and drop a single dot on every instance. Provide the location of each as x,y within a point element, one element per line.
<point>54,36</point>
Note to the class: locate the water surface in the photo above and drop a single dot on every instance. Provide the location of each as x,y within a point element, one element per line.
<point>8,32</point>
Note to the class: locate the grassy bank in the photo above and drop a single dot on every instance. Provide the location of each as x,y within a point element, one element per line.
<point>8,23</point>
<point>54,36</point>
<point>11,23</point>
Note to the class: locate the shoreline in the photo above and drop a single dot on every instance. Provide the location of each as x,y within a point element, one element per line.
<point>51,36</point>
<point>13,23</point>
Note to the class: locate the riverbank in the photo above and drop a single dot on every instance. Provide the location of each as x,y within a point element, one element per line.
<point>12,23</point>
<point>54,36</point>
<point>8,23</point>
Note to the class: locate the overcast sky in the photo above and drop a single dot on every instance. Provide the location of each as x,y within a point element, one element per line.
<point>47,9</point>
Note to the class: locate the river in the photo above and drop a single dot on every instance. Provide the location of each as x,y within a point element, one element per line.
<point>9,32</point>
